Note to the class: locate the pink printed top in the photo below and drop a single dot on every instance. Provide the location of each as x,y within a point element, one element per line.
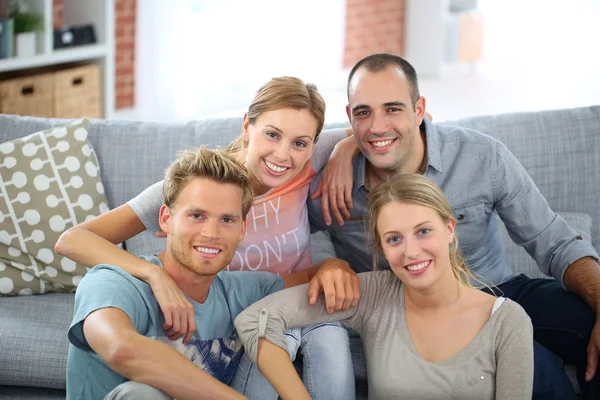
<point>278,233</point>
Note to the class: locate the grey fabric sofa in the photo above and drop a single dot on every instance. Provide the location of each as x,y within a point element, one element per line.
<point>560,149</point>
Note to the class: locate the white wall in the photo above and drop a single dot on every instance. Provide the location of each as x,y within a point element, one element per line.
<point>538,55</point>
<point>199,58</point>
<point>424,35</point>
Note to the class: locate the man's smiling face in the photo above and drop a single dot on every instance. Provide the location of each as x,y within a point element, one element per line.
<point>204,226</point>
<point>383,118</point>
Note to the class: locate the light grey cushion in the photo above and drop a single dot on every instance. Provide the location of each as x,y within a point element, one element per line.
<point>33,339</point>
<point>521,261</point>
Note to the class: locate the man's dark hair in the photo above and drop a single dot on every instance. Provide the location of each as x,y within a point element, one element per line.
<point>379,62</point>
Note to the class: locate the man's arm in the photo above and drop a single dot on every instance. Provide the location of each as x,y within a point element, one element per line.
<point>333,277</point>
<point>112,335</point>
<point>556,247</point>
<point>530,221</point>
<point>583,278</point>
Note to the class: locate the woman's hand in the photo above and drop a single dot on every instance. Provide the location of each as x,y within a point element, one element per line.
<point>175,306</point>
<point>335,187</point>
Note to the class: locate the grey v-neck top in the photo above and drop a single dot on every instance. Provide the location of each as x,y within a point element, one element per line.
<point>496,364</point>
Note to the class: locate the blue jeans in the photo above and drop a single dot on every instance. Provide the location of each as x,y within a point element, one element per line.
<point>326,367</point>
<point>132,390</point>
<point>562,326</point>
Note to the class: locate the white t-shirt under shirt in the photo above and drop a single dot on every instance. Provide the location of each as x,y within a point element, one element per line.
<point>278,234</point>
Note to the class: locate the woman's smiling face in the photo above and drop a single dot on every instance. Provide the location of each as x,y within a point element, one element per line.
<point>279,144</point>
<point>416,242</point>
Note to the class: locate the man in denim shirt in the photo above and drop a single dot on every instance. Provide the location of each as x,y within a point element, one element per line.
<point>483,182</point>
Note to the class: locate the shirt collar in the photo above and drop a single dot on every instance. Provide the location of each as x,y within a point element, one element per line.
<point>360,165</point>
<point>432,136</point>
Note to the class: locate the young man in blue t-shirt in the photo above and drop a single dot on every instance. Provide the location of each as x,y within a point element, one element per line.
<point>118,346</point>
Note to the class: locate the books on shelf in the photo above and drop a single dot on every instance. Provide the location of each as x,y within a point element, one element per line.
<point>7,38</point>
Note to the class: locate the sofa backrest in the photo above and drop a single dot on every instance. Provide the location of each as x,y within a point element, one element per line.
<point>134,155</point>
<point>560,149</point>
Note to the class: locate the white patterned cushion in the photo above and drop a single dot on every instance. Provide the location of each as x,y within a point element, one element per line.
<point>49,181</point>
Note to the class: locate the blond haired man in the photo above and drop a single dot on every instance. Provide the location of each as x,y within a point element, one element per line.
<point>118,346</point>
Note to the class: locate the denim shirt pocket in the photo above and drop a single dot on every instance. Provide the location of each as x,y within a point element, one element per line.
<point>470,226</point>
<point>356,241</point>
<point>354,226</point>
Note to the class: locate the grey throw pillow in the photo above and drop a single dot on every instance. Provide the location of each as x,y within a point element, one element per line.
<point>520,261</point>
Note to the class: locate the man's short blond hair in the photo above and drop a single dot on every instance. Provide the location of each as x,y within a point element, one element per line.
<point>217,165</point>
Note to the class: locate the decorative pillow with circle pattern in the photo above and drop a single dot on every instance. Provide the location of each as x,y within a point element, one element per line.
<point>49,182</point>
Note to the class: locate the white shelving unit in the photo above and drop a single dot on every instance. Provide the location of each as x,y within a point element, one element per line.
<point>100,13</point>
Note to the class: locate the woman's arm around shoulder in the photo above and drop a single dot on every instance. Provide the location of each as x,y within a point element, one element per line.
<point>290,308</point>
<point>95,242</point>
<point>514,354</point>
<point>335,186</point>
<point>261,328</point>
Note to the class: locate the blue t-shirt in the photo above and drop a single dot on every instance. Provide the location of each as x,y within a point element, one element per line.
<point>214,348</point>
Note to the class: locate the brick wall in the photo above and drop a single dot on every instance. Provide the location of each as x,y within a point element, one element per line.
<point>124,49</point>
<point>373,26</point>
<point>125,53</point>
<point>58,13</point>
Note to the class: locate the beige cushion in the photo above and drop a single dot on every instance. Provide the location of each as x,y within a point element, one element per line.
<point>49,182</point>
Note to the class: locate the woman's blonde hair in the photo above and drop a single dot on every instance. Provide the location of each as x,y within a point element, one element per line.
<point>284,92</point>
<point>414,189</point>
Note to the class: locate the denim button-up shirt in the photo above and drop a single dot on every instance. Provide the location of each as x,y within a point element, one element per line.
<point>483,181</point>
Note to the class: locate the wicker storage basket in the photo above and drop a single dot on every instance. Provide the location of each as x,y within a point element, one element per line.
<point>76,92</point>
<point>30,95</point>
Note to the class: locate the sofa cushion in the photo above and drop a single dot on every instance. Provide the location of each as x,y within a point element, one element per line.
<point>23,393</point>
<point>49,181</point>
<point>521,261</point>
<point>33,339</point>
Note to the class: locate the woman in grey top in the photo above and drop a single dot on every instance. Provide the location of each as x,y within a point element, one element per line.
<point>428,334</point>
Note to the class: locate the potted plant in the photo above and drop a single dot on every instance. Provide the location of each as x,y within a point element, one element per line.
<point>26,24</point>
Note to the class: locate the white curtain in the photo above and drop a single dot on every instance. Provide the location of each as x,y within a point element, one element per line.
<point>198,58</point>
